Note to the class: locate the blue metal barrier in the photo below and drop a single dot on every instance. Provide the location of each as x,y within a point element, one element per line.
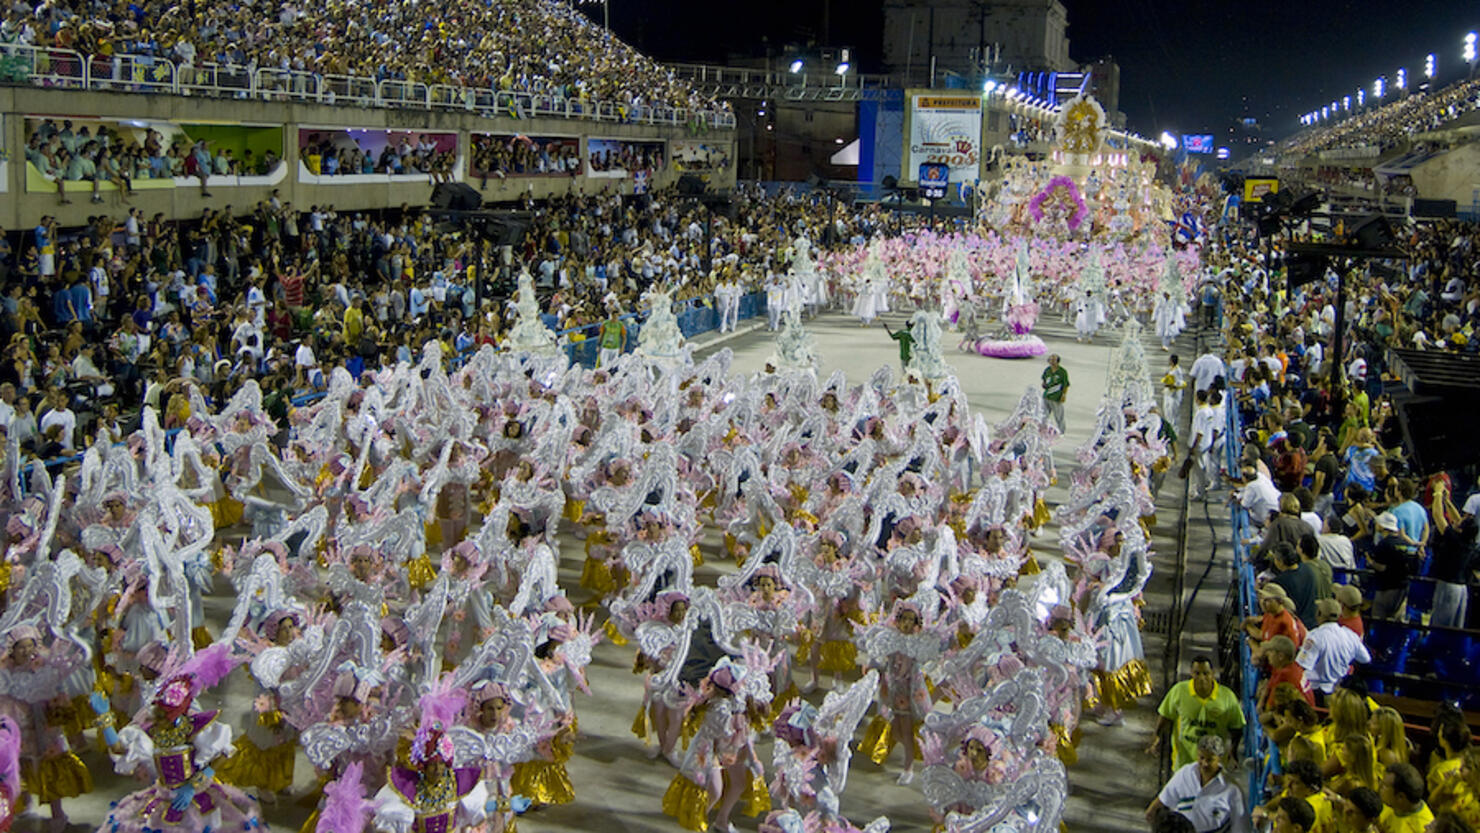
<point>1257,746</point>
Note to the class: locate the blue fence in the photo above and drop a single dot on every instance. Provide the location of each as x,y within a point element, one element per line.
<point>1257,746</point>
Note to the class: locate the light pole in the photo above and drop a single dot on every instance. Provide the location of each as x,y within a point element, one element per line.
<point>1469,53</point>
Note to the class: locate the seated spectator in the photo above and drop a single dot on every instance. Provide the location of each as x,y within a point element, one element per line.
<point>1452,740</point>
<point>1402,793</point>
<point>1277,619</point>
<point>1200,792</point>
<point>1280,652</point>
<point>1330,649</point>
<point>1359,811</point>
<point>1389,737</point>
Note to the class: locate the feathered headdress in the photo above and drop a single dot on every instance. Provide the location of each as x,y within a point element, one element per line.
<point>346,810</point>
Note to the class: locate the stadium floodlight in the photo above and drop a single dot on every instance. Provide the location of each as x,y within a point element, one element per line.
<point>1430,66</point>
<point>1324,113</point>
<point>1168,141</point>
<point>1469,53</point>
<point>989,86</point>
<point>1012,93</point>
<point>796,66</point>
<point>842,68</point>
<point>1402,80</point>
<point>1379,87</point>
<point>1346,101</point>
<point>1361,97</point>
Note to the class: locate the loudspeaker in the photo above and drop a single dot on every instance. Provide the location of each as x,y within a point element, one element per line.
<point>1301,269</point>
<point>691,185</point>
<point>456,196</point>
<point>1373,233</point>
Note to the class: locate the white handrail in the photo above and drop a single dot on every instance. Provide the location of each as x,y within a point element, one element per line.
<point>128,72</point>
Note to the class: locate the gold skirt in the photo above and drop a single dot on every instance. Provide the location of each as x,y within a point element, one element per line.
<point>74,718</point>
<point>419,571</point>
<point>200,637</point>
<point>543,782</point>
<point>696,556</point>
<point>55,778</point>
<point>1067,748</point>
<point>433,532</point>
<point>596,576</point>
<point>574,509</point>
<point>1030,566</point>
<point>1040,515</point>
<point>1116,689</point>
<point>877,740</point>
<point>756,800</point>
<point>640,724</point>
<point>837,656</point>
<point>687,803</point>
<point>269,769</point>
<point>612,633</point>
<point>227,512</point>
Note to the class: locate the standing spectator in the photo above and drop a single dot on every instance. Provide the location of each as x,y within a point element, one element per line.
<point>1454,561</point>
<point>1330,649</point>
<point>1284,528</point>
<point>58,414</point>
<point>1392,566</point>
<point>1055,389</point>
<point>1299,581</point>
<point>1200,792</point>
<point>1196,707</point>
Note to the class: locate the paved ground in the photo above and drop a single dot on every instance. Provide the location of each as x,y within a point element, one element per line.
<point>619,789</point>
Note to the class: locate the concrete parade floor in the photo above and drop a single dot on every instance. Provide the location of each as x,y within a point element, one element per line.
<point>618,788</point>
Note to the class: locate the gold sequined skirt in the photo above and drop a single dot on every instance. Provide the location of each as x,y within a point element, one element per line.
<point>687,803</point>
<point>55,778</point>
<point>837,656</point>
<point>419,571</point>
<point>596,576</point>
<point>877,740</point>
<point>269,769</point>
<point>1116,689</point>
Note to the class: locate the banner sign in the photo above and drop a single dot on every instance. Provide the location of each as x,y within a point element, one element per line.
<point>945,129</point>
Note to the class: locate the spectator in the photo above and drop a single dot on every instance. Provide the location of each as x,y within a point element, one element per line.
<point>1360,810</point>
<point>1280,652</point>
<point>1200,792</point>
<point>60,416</point>
<point>1277,619</point>
<point>1453,561</point>
<point>1197,707</point>
<point>1293,815</point>
<point>1285,527</point>
<point>1298,579</point>
<point>1350,599</point>
<point>1392,564</point>
<point>1330,649</point>
<point>1402,793</point>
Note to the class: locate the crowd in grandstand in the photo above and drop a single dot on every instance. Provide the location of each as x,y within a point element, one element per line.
<point>537,47</point>
<point>505,156</point>
<point>1389,125</point>
<point>341,154</point>
<point>138,311</point>
<point>1347,537</point>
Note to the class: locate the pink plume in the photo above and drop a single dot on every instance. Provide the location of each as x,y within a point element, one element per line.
<point>443,703</point>
<point>209,666</point>
<point>346,809</point>
<point>10,757</point>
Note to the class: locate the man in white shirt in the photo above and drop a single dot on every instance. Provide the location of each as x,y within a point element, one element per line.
<point>304,363</point>
<point>61,415</point>
<point>84,370</point>
<point>1200,450</point>
<point>7,405</point>
<point>1259,495</point>
<point>1330,648</point>
<point>1207,368</point>
<point>1201,792</point>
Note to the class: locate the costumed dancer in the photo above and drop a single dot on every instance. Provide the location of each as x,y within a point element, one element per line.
<point>177,745</point>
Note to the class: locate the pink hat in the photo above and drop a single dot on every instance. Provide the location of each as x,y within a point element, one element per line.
<point>490,691</point>
<point>726,676</point>
<point>275,620</point>
<point>20,632</point>
<point>348,687</point>
<point>396,629</point>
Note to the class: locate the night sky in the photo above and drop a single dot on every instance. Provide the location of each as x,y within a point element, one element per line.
<point>1188,66</point>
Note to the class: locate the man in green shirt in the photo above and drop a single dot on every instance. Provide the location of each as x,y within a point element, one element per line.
<point>612,339</point>
<point>1055,388</point>
<point>1197,707</point>
<point>906,344</point>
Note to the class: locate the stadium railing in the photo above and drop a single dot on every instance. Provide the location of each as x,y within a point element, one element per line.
<point>66,68</point>
<point>1259,752</point>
